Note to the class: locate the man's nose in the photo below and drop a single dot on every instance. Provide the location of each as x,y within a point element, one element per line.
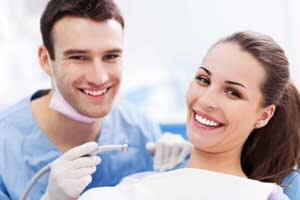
<point>98,73</point>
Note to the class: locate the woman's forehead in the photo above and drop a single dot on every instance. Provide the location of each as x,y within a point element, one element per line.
<point>229,62</point>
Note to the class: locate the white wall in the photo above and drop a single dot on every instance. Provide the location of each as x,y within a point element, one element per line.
<point>169,38</point>
<point>20,73</point>
<point>165,42</point>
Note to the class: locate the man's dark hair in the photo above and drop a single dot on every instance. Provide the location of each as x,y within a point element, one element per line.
<point>98,10</point>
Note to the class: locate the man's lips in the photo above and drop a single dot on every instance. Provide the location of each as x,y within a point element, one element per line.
<point>95,92</point>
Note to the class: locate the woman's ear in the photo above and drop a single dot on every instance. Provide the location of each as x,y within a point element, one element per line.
<point>265,116</point>
<point>44,61</point>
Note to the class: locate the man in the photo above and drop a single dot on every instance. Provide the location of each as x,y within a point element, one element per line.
<point>82,53</point>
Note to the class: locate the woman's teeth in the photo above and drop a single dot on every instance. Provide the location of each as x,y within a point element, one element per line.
<point>206,122</point>
<point>95,92</point>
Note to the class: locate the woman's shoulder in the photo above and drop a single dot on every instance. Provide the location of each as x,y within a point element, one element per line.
<point>278,194</point>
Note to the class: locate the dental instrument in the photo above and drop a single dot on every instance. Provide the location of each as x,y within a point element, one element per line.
<point>120,147</point>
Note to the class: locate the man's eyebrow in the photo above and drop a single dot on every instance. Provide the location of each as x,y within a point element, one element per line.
<point>82,51</point>
<point>116,50</point>
<point>74,51</point>
<point>235,83</point>
<point>206,70</point>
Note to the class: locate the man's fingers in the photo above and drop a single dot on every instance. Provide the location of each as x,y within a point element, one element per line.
<point>186,150</point>
<point>81,150</point>
<point>170,150</point>
<point>78,187</point>
<point>82,172</point>
<point>162,154</point>
<point>172,160</point>
<point>84,181</point>
<point>81,162</point>
<point>167,150</point>
<point>157,159</point>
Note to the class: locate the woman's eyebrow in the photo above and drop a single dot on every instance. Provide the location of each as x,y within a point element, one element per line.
<point>205,69</point>
<point>235,83</point>
<point>228,82</point>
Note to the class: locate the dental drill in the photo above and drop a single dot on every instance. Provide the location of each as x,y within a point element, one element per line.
<point>121,147</point>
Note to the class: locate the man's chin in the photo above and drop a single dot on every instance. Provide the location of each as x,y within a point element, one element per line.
<point>99,114</point>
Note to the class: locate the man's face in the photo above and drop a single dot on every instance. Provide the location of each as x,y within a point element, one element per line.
<point>88,61</point>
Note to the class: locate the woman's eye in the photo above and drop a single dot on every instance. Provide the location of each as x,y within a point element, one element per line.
<point>203,80</point>
<point>233,93</point>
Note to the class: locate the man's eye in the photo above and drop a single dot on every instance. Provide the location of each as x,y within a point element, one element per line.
<point>203,80</point>
<point>233,93</point>
<point>78,58</point>
<point>111,56</point>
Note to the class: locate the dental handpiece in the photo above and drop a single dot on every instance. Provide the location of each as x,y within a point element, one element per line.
<point>119,147</point>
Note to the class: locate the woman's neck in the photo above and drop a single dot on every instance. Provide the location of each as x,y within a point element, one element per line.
<point>224,162</point>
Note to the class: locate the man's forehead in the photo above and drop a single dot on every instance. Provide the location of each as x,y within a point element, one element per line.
<point>83,33</point>
<point>77,20</point>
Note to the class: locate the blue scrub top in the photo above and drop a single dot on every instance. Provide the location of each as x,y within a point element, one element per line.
<point>293,185</point>
<point>24,148</point>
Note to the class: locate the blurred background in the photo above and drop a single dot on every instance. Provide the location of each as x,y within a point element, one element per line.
<point>165,41</point>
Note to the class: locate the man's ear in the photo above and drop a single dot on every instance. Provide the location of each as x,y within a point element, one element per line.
<point>44,61</point>
<point>265,116</point>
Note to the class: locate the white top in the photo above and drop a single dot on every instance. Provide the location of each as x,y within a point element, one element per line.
<point>181,184</point>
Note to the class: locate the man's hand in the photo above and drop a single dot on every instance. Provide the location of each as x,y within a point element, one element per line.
<point>71,173</point>
<point>169,150</point>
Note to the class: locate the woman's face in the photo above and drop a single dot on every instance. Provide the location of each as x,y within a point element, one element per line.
<point>224,100</point>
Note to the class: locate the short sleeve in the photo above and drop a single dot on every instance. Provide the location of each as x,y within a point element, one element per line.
<point>293,185</point>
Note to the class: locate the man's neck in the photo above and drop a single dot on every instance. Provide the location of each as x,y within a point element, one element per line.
<point>225,162</point>
<point>64,132</point>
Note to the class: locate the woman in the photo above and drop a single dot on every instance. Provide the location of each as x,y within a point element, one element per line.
<point>243,111</point>
<point>243,90</point>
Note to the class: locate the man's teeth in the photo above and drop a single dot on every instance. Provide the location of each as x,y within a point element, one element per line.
<point>206,122</point>
<point>95,92</point>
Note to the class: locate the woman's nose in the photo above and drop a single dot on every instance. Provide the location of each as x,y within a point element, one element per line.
<point>208,100</point>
